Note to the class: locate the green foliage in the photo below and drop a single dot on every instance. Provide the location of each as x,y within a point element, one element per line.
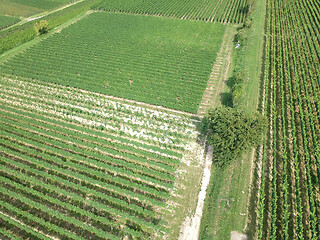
<point>240,37</point>
<point>6,21</point>
<point>10,38</point>
<point>232,131</point>
<point>43,4</point>
<point>250,5</point>
<point>13,37</point>
<point>61,169</point>
<point>41,27</point>
<point>231,11</point>
<point>291,103</point>
<point>160,61</point>
<point>25,8</point>
<point>237,81</point>
<point>236,84</point>
<point>248,22</point>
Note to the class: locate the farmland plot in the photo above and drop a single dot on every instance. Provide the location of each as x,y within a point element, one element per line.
<point>289,198</point>
<point>28,7</point>
<point>80,165</point>
<point>149,59</point>
<point>43,4</point>
<point>6,21</point>
<point>227,11</point>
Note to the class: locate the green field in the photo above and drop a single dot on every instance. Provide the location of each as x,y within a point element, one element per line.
<point>228,11</point>
<point>159,61</point>
<point>43,4</point>
<point>103,128</point>
<point>99,132</point>
<point>28,7</point>
<point>6,21</point>
<point>84,166</point>
<point>291,162</point>
<point>24,31</point>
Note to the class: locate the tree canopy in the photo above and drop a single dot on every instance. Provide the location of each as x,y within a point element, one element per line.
<point>231,131</point>
<point>41,27</point>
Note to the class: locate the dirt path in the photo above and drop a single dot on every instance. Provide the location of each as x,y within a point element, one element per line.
<point>29,19</point>
<point>238,236</point>
<point>191,226</point>
<point>190,229</point>
<point>36,16</point>
<point>219,73</point>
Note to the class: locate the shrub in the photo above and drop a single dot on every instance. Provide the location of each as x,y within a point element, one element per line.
<point>41,27</point>
<point>231,131</point>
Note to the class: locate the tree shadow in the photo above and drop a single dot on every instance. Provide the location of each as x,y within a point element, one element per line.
<point>226,99</point>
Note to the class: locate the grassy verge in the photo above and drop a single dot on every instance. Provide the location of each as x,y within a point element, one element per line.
<point>228,194</point>
<point>18,35</point>
<point>250,58</point>
<point>225,207</point>
<point>22,47</point>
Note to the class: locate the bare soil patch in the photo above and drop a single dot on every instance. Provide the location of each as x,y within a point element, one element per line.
<point>238,236</point>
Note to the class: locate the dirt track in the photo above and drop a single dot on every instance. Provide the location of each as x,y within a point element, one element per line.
<point>190,228</point>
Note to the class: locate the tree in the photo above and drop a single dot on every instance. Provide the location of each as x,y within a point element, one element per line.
<point>231,131</point>
<point>41,27</point>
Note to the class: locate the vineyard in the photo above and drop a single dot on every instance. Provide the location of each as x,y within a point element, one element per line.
<point>6,21</point>
<point>159,61</point>
<point>43,4</point>
<point>289,202</point>
<point>226,11</point>
<point>99,132</point>
<point>81,165</point>
<point>28,7</point>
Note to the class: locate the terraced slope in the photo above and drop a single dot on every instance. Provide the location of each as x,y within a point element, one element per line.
<point>81,165</point>
<point>227,11</point>
<point>154,60</point>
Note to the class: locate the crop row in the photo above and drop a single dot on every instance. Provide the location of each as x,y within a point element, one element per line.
<point>85,113</point>
<point>164,62</point>
<point>61,178</point>
<point>6,21</point>
<point>290,182</point>
<point>55,122</point>
<point>202,10</point>
<point>96,100</point>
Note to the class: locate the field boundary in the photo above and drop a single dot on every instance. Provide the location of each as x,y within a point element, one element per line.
<point>219,73</point>
<point>190,228</point>
<point>22,47</point>
<point>53,123</point>
<point>45,13</point>
<point>110,97</point>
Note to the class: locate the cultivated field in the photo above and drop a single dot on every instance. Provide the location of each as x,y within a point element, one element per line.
<point>77,161</point>
<point>227,11</point>
<point>289,197</point>
<point>76,164</point>
<point>28,7</point>
<point>102,134</point>
<point>154,60</point>
<point>6,21</point>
